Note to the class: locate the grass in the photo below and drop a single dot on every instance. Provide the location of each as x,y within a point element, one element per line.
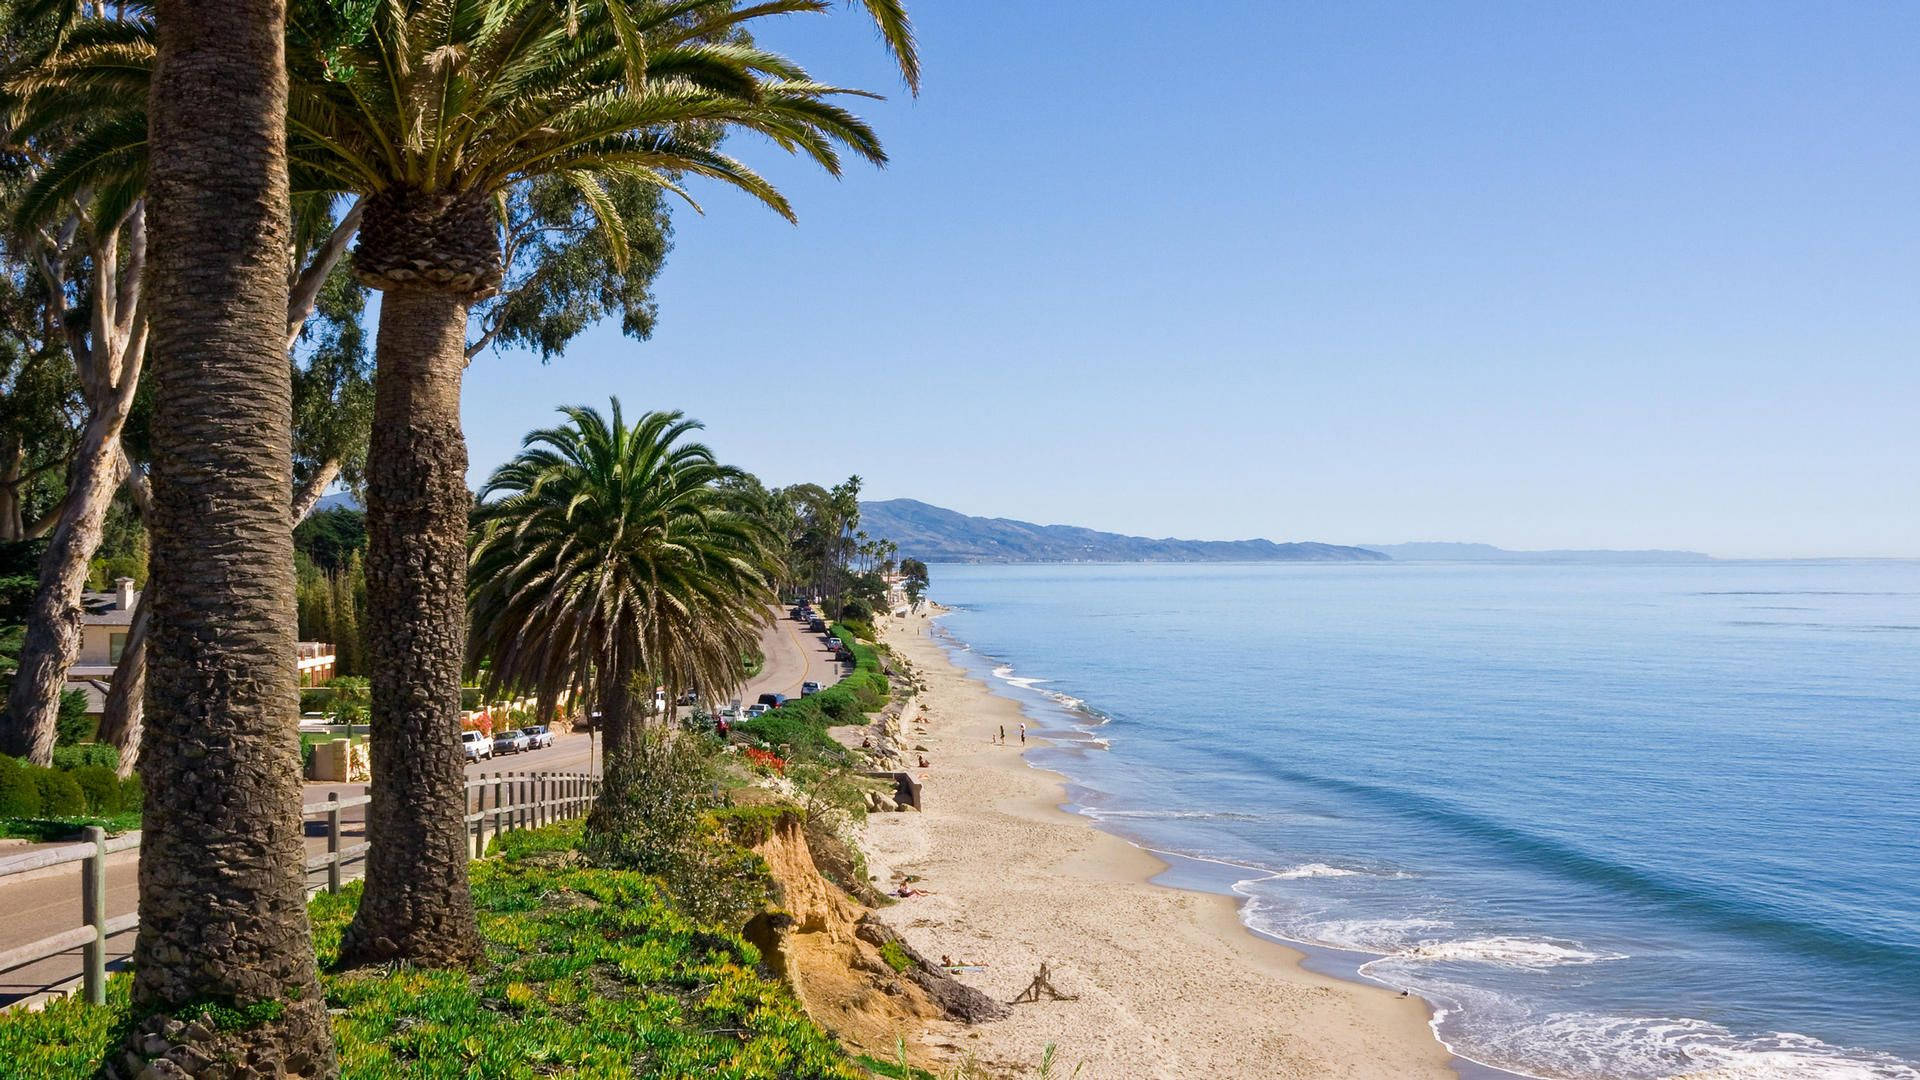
<point>896,957</point>
<point>590,974</point>
<point>42,830</point>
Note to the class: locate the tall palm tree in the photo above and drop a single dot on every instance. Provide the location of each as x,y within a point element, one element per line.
<point>614,555</point>
<point>223,914</point>
<point>434,115</point>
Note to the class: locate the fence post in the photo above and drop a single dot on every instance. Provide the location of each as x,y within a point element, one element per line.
<point>498,791</point>
<point>479,820</point>
<point>333,841</point>
<point>93,901</point>
<point>543,812</point>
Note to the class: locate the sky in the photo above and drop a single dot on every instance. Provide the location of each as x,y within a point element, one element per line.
<point>1539,275</point>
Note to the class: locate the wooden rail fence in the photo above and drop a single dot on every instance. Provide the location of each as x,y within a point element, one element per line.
<point>518,801</point>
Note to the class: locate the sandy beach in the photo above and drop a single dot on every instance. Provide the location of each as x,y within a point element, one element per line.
<point>1169,984</point>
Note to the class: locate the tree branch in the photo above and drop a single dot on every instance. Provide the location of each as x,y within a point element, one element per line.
<point>308,496</point>
<point>305,291</point>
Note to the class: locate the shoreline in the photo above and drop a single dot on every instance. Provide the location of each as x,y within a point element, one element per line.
<point>1169,981</point>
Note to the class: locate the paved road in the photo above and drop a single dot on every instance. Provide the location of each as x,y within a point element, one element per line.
<point>49,902</point>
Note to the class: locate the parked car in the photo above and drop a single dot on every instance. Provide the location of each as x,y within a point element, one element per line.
<point>510,741</point>
<point>475,745</point>
<point>817,624</point>
<point>758,709</point>
<point>808,689</point>
<point>538,736</point>
<point>773,701</point>
<point>690,697</point>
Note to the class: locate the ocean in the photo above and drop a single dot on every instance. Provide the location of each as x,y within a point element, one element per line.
<point>1612,821</point>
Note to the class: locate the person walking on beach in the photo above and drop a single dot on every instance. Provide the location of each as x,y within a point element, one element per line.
<point>1003,734</point>
<point>1023,734</point>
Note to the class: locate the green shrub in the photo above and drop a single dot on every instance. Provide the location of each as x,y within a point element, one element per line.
<point>470,698</point>
<point>856,610</point>
<point>72,724</point>
<point>133,794</point>
<point>655,820</point>
<point>859,628</point>
<point>19,795</point>
<point>59,795</point>
<point>316,699</point>
<point>786,726</point>
<point>100,787</point>
<point>84,755</point>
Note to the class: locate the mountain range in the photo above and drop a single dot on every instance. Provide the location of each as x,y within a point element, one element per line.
<point>932,534</point>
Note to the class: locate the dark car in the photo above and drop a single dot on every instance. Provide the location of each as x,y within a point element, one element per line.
<point>773,701</point>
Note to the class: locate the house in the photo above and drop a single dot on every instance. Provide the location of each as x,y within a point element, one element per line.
<point>106,618</point>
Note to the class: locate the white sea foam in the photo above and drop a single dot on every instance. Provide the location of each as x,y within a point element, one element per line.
<point>1509,952</point>
<point>1315,870</point>
<point>1657,1048</point>
<point>1004,672</point>
<point>1359,935</point>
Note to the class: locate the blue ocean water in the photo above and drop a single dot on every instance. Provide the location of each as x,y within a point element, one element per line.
<point>1614,821</point>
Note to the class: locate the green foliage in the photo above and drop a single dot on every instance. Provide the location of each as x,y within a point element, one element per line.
<point>755,824</point>
<point>72,724</point>
<point>653,816</point>
<point>316,699</point>
<point>860,626</point>
<point>896,957</point>
<point>333,406</point>
<point>681,570</point>
<point>19,793</point>
<point>330,538</point>
<point>100,787</point>
<point>52,804</point>
<point>590,973</point>
<point>915,573</point>
<point>86,754</point>
<point>796,726</point>
<point>55,830</point>
<point>60,796</point>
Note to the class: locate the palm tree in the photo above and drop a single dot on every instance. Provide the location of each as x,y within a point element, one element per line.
<point>433,116</point>
<point>613,557</point>
<point>223,914</point>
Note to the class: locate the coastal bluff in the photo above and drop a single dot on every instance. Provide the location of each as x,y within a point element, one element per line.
<point>933,534</point>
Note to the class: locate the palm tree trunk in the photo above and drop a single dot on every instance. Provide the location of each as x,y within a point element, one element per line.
<point>53,619</point>
<point>416,905</point>
<point>622,726</point>
<point>223,913</point>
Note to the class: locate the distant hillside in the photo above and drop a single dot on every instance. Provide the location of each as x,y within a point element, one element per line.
<point>1454,552</point>
<point>932,534</point>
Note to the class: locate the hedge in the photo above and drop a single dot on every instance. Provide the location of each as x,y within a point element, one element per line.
<point>19,795</point>
<point>60,795</point>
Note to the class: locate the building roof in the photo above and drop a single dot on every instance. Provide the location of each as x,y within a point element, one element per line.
<point>103,609</point>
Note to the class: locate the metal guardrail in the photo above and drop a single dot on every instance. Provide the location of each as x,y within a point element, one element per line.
<point>519,801</point>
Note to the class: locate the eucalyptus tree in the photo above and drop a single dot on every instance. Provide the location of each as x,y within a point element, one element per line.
<point>608,558</point>
<point>223,917</point>
<point>87,250</point>
<point>77,133</point>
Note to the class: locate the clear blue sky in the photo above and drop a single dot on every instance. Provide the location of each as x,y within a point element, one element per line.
<point>1541,275</point>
